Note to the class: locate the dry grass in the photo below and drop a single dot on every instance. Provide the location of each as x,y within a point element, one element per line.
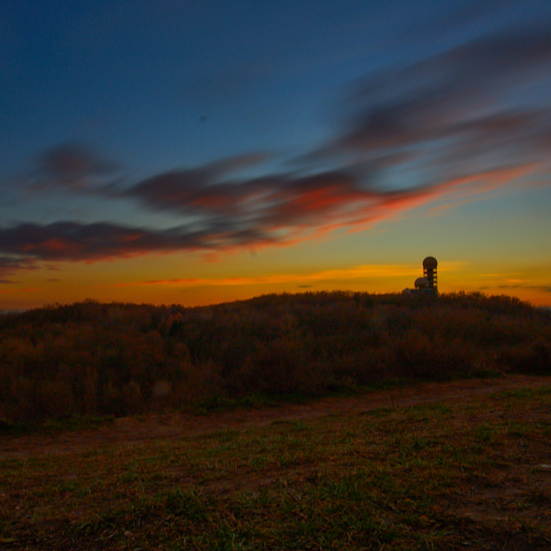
<point>464,473</point>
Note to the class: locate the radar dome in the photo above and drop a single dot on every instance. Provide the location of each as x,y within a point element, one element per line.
<point>422,283</point>
<point>430,263</point>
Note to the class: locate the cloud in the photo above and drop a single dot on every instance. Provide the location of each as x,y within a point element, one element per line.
<point>284,207</point>
<point>541,288</point>
<point>72,241</point>
<point>446,129</point>
<point>470,108</point>
<point>71,166</point>
<point>228,215</point>
<point>195,188</point>
<point>10,265</point>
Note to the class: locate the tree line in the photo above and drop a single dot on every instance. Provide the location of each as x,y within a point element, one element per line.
<point>90,359</point>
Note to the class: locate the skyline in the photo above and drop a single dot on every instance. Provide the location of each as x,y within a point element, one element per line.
<point>194,154</point>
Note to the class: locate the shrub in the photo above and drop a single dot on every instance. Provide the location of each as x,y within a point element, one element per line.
<point>93,359</point>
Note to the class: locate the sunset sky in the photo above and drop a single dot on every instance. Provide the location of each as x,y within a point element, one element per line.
<point>195,152</point>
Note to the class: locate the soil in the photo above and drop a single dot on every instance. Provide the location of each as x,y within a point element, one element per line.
<point>128,430</point>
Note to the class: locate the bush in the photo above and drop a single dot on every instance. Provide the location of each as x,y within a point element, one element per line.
<point>94,359</point>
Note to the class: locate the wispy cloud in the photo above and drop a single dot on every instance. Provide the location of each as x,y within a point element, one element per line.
<point>70,166</point>
<point>446,129</point>
<point>74,241</point>
<point>230,215</point>
<point>511,286</point>
<point>463,111</point>
<point>11,265</point>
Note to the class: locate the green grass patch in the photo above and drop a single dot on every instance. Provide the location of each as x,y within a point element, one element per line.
<point>434,476</point>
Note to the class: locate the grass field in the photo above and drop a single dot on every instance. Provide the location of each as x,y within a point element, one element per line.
<point>452,469</point>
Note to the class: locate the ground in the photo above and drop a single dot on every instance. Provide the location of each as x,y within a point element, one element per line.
<point>168,426</point>
<point>447,465</point>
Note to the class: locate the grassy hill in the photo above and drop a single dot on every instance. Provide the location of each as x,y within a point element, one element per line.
<point>451,464</point>
<point>92,359</point>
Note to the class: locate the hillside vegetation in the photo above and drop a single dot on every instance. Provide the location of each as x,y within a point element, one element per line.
<point>117,359</point>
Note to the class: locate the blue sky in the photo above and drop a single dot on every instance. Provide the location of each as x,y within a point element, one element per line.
<point>190,148</point>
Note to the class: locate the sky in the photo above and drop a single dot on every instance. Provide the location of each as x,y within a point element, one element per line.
<point>182,152</point>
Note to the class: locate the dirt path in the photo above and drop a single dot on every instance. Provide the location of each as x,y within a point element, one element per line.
<point>128,430</point>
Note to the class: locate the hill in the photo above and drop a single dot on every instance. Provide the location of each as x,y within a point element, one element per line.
<point>92,359</point>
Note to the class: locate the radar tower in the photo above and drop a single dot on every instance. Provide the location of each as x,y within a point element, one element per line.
<point>429,272</point>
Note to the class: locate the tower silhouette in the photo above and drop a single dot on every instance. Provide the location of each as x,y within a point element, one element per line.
<point>429,272</point>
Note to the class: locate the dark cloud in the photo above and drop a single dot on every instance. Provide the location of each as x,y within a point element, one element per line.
<point>280,204</point>
<point>198,191</point>
<point>497,55</point>
<point>542,288</point>
<point>286,207</point>
<point>473,68</point>
<point>227,215</point>
<point>25,244</point>
<point>10,265</point>
<point>230,165</point>
<point>461,108</point>
<point>89,242</point>
<point>71,166</point>
<point>201,188</point>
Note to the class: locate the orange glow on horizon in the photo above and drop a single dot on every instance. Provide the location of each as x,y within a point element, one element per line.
<point>203,290</point>
<point>357,272</point>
